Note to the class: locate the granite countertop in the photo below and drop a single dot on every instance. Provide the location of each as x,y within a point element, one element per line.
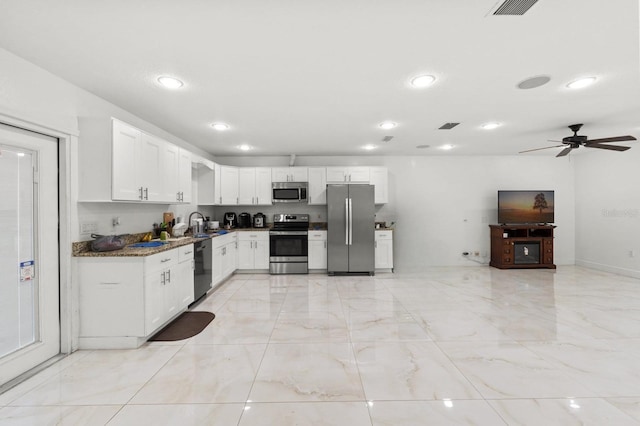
<point>83,248</point>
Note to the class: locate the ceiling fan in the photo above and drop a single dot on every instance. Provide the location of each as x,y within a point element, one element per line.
<point>576,141</point>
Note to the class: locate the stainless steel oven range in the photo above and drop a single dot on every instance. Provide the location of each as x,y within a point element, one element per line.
<point>288,244</point>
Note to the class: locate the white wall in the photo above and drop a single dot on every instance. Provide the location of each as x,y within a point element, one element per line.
<point>608,210</point>
<point>442,206</point>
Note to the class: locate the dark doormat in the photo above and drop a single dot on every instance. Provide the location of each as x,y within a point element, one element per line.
<point>186,325</point>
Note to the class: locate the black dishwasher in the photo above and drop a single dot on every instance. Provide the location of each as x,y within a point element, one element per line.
<point>202,272</point>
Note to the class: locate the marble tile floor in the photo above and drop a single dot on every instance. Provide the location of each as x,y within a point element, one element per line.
<point>449,346</point>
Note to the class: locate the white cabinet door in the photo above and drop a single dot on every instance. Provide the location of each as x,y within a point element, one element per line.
<point>151,161</point>
<point>384,250</point>
<point>299,174</point>
<point>317,185</point>
<point>218,254</point>
<point>263,186</point>
<point>337,174</point>
<point>317,249</point>
<point>379,179</point>
<point>245,253</point>
<point>280,174</point>
<point>246,185</point>
<point>347,174</point>
<point>183,288</point>
<point>289,174</point>
<point>228,185</point>
<point>184,176</point>
<point>261,250</point>
<point>126,152</point>
<point>154,288</point>
<point>170,173</point>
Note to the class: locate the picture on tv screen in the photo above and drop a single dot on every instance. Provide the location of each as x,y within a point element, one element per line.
<point>525,207</point>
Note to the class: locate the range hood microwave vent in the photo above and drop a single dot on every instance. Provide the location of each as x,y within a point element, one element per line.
<point>514,7</point>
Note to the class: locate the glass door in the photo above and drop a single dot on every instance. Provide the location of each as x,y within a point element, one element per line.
<point>29,278</point>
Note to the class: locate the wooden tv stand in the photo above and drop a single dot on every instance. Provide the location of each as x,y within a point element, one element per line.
<point>522,246</point>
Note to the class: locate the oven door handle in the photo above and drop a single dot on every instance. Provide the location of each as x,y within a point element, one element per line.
<point>288,232</point>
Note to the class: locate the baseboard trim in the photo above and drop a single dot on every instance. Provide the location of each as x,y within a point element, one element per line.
<point>608,268</point>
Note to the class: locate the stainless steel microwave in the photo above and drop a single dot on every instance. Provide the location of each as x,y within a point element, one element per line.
<point>289,192</point>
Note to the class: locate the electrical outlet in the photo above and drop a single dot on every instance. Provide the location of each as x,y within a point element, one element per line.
<point>88,227</point>
<point>116,221</point>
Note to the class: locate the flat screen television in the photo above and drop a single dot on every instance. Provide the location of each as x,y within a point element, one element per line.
<point>525,206</point>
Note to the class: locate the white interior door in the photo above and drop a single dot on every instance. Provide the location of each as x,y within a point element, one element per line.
<point>29,258</point>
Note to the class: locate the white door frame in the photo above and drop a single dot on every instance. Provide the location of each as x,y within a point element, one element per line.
<point>68,212</point>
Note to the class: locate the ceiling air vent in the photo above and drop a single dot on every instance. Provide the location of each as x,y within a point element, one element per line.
<point>387,138</point>
<point>514,7</point>
<point>448,126</point>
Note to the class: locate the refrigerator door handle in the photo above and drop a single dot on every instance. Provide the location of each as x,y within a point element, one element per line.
<point>346,221</point>
<point>350,222</point>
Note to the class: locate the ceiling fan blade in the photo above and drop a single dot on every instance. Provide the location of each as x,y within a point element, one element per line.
<point>612,139</point>
<point>564,152</point>
<point>538,149</point>
<point>611,147</point>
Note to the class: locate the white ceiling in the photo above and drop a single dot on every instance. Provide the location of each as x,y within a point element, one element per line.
<point>317,77</point>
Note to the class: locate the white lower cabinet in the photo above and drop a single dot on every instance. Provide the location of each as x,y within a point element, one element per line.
<point>317,250</point>
<point>224,257</point>
<point>384,249</point>
<point>253,250</point>
<point>125,300</point>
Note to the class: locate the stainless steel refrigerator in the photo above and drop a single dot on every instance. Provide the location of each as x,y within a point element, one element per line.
<point>350,229</point>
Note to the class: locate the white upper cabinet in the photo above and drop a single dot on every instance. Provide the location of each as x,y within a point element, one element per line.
<point>126,174</point>
<point>147,168</point>
<point>317,186</point>
<point>246,185</point>
<point>184,176</point>
<point>170,173</point>
<point>347,174</point>
<point>289,174</point>
<point>379,179</point>
<point>254,186</point>
<point>228,185</point>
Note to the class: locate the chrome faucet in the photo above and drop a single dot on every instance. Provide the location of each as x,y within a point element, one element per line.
<point>191,215</point>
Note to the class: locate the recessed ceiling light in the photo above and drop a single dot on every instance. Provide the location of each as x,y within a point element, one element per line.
<point>387,125</point>
<point>369,147</point>
<point>170,82</point>
<point>446,147</point>
<point>245,147</point>
<point>221,127</point>
<point>490,126</point>
<point>422,146</point>
<point>422,81</point>
<point>581,82</point>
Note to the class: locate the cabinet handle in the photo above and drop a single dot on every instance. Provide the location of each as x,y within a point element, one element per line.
<point>141,196</point>
<point>146,194</point>
<point>237,200</point>
<point>165,260</point>
<point>188,252</point>
<point>163,280</point>
<point>220,200</point>
<point>169,274</point>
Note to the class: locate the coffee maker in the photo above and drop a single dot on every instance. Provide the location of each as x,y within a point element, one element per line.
<point>259,220</point>
<point>230,220</point>
<point>244,220</point>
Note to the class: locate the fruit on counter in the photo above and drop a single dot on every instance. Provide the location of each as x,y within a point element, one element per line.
<point>147,237</point>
